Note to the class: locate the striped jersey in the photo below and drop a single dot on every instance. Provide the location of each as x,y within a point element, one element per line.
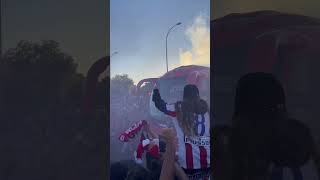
<point>193,152</point>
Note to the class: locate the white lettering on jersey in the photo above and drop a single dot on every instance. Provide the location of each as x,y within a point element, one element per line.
<point>199,175</point>
<point>198,141</point>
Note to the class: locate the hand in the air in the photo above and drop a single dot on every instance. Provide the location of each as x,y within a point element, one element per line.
<point>147,126</point>
<point>169,135</point>
<point>171,142</point>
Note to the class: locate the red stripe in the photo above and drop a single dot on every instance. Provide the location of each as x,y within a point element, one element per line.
<point>172,113</point>
<point>139,151</point>
<point>189,156</point>
<point>203,157</point>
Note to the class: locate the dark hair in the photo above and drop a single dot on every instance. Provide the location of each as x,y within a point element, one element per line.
<point>190,91</point>
<point>118,171</point>
<point>153,163</point>
<point>259,93</point>
<point>259,103</point>
<point>262,133</point>
<point>139,173</point>
<point>186,110</point>
<point>191,104</point>
<point>154,166</point>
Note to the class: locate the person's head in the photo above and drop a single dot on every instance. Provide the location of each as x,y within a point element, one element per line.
<point>139,173</point>
<point>152,162</point>
<point>259,107</point>
<point>118,171</point>
<point>192,104</point>
<point>191,91</point>
<point>259,94</point>
<point>154,165</point>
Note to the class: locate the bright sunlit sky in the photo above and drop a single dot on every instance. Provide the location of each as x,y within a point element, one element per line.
<point>138,29</point>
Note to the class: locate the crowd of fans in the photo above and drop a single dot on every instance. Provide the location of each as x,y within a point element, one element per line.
<point>263,141</point>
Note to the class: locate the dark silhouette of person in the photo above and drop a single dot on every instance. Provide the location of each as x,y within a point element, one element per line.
<point>221,168</point>
<point>129,170</point>
<point>263,136</point>
<point>119,170</point>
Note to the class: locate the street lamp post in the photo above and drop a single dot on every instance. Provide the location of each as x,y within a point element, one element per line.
<point>167,42</point>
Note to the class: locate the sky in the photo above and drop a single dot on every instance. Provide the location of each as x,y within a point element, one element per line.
<point>80,26</point>
<point>138,32</point>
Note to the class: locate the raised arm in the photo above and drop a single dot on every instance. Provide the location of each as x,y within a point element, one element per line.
<point>152,134</point>
<point>161,105</point>
<point>168,165</point>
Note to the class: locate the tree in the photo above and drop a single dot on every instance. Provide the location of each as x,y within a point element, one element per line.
<point>37,76</point>
<point>74,90</point>
<point>40,90</point>
<point>120,85</point>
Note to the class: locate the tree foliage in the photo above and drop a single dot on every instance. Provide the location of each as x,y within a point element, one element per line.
<point>120,85</point>
<point>39,75</point>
